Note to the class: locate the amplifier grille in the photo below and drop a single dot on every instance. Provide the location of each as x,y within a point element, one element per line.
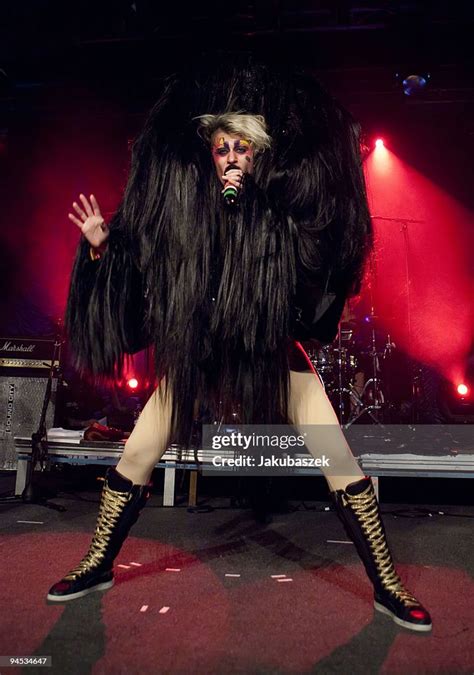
<point>21,400</point>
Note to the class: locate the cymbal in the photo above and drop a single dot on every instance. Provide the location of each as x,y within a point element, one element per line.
<point>348,322</point>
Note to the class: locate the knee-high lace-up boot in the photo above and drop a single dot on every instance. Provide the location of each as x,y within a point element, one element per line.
<point>120,506</point>
<point>358,509</point>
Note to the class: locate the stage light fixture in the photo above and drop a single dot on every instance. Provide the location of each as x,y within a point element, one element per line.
<point>132,383</point>
<point>414,84</point>
<point>379,143</point>
<point>462,389</point>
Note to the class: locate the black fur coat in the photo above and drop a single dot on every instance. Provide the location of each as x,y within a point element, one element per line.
<point>218,293</point>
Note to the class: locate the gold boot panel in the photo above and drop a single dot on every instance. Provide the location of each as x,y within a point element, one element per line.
<point>111,506</point>
<point>365,508</point>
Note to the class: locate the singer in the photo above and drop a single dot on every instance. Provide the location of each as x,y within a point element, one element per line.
<point>225,287</point>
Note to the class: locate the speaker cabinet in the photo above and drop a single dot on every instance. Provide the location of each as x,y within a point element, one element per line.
<point>21,402</point>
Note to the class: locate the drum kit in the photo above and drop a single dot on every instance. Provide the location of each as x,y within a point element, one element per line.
<point>351,372</point>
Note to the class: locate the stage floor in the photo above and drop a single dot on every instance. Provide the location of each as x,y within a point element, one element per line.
<point>217,592</point>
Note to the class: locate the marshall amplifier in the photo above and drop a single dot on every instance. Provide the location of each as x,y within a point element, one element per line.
<point>24,369</point>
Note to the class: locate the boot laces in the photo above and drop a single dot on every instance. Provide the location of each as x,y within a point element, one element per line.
<point>111,506</point>
<point>365,508</point>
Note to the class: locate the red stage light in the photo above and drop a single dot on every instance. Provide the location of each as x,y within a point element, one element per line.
<point>132,383</point>
<point>462,389</point>
<point>379,143</point>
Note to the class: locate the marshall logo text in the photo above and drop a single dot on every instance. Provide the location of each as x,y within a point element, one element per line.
<point>10,347</point>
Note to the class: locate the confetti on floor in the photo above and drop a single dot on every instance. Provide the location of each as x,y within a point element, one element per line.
<point>31,522</point>
<point>282,580</point>
<point>232,575</point>
<point>144,608</point>
<point>163,610</point>
<point>136,564</point>
<point>124,567</point>
<point>278,576</point>
<point>172,569</point>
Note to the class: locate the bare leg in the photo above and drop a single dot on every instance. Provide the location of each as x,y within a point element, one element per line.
<point>309,405</point>
<point>149,439</point>
<point>354,500</point>
<point>124,495</point>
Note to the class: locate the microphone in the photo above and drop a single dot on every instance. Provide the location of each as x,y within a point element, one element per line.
<point>230,194</point>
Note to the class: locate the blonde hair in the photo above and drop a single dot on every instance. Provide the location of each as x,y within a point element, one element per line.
<point>251,127</point>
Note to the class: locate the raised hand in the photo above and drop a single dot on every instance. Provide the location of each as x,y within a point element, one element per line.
<point>89,220</point>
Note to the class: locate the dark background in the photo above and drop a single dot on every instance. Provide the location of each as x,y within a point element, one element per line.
<point>76,81</point>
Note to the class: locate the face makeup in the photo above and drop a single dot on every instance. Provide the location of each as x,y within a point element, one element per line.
<point>230,151</point>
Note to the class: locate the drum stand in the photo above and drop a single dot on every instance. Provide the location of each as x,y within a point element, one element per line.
<point>341,390</point>
<point>371,400</point>
<point>344,392</point>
